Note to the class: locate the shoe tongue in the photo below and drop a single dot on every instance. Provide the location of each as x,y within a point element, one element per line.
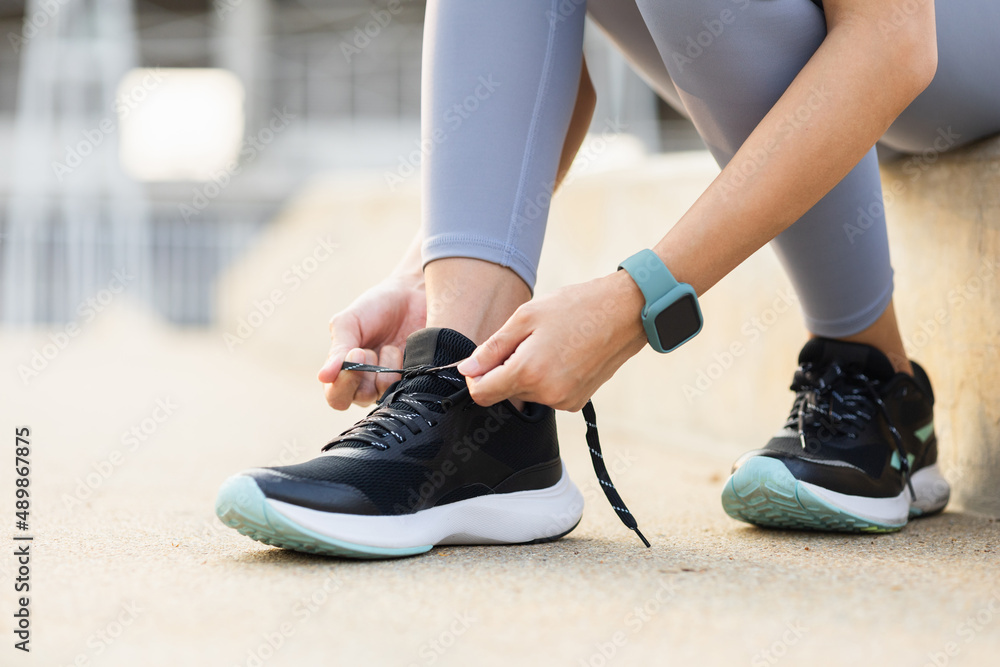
<point>434,347</point>
<point>427,347</point>
<point>865,358</point>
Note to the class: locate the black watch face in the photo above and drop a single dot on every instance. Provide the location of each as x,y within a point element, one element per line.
<point>677,322</point>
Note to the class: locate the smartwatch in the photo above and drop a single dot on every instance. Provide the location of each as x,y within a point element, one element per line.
<point>671,316</point>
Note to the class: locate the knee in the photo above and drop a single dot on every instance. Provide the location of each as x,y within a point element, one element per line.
<point>733,30</point>
<point>677,20</point>
<point>706,32</point>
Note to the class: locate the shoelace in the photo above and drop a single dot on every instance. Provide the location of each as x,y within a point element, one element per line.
<point>836,400</point>
<point>382,420</point>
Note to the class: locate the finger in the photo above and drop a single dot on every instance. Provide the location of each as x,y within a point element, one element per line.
<point>365,393</point>
<point>499,384</point>
<point>345,335</point>
<point>330,370</point>
<point>497,348</point>
<point>340,393</point>
<point>390,356</point>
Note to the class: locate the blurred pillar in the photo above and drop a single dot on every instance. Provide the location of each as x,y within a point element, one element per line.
<point>242,45</point>
<point>73,217</point>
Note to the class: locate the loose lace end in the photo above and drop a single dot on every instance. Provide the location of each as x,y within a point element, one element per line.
<point>601,470</point>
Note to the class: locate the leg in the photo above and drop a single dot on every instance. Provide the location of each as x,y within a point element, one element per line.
<point>490,291</point>
<point>962,103</point>
<point>472,296</point>
<point>497,106</point>
<point>844,280</point>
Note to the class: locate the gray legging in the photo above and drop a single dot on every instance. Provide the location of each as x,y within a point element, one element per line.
<point>499,87</point>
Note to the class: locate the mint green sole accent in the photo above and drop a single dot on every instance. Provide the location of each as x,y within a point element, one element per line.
<point>763,492</point>
<point>925,432</point>
<point>242,505</point>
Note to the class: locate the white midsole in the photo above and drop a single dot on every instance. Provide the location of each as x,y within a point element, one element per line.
<point>929,485</point>
<point>503,518</point>
<point>932,489</point>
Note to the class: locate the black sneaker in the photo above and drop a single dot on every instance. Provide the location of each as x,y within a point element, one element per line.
<point>857,453</point>
<point>426,467</point>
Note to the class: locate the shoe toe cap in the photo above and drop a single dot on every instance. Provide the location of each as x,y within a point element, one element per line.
<point>750,455</point>
<point>311,493</point>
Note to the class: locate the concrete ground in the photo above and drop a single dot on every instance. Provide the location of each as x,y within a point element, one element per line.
<point>134,425</point>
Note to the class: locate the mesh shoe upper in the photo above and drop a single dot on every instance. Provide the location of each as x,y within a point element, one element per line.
<point>856,426</point>
<point>425,444</point>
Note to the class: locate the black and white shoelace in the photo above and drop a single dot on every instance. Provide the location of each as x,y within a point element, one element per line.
<point>840,401</point>
<point>384,419</point>
<point>388,419</point>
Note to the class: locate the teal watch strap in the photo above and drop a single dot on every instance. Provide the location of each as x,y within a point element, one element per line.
<point>671,315</point>
<point>650,274</point>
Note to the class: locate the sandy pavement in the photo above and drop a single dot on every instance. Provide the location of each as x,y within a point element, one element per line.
<point>134,425</point>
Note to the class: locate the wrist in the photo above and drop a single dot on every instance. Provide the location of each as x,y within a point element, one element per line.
<point>626,304</point>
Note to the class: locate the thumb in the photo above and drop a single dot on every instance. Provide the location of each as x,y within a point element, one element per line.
<point>345,334</point>
<point>496,349</point>
<point>334,360</point>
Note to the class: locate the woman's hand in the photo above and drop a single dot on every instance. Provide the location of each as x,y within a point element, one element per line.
<point>372,330</point>
<point>558,349</point>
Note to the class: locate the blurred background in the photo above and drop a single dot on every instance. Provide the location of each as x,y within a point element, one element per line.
<point>164,136</point>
